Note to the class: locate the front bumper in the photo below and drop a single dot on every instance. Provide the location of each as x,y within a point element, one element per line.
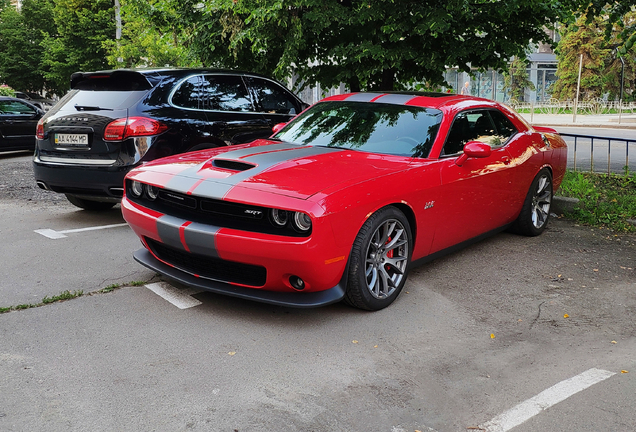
<point>241,263</point>
<point>292,299</point>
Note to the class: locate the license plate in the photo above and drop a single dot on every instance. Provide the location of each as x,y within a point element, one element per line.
<point>71,139</point>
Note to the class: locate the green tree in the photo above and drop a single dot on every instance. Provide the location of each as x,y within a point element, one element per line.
<point>600,73</point>
<point>384,44</point>
<point>21,35</point>
<point>516,79</point>
<point>156,33</point>
<point>581,39</point>
<point>83,27</point>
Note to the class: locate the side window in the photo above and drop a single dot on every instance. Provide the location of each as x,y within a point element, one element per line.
<point>504,126</point>
<point>15,108</point>
<point>189,94</point>
<point>272,98</point>
<point>213,93</point>
<point>472,126</point>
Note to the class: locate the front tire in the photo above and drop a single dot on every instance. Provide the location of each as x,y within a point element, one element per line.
<point>536,208</point>
<point>88,204</point>
<point>380,259</point>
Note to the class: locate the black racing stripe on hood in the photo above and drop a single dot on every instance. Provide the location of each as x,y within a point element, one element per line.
<point>185,180</point>
<point>217,189</point>
<point>247,151</point>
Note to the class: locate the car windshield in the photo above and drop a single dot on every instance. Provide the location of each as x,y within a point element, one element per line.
<point>371,127</point>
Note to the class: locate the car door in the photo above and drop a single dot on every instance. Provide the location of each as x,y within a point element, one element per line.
<point>18,121</point>
<point>475,196</point>
<point>275,103</point>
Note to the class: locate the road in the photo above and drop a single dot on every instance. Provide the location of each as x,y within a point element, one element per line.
<point>476,335</point>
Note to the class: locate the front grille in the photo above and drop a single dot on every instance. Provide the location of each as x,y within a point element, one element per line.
<point>209,267</point>
<point>215,212</point>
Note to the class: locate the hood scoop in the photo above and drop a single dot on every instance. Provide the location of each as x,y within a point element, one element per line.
<point>232,165</point>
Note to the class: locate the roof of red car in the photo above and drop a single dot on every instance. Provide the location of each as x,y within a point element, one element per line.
<point>424,99</point>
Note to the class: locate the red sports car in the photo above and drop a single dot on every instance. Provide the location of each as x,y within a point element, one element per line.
<point>340,202</point>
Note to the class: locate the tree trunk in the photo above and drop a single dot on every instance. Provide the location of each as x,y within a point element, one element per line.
<point>388,80</point>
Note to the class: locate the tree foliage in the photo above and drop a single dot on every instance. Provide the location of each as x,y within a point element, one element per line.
<point>516,79</point>
<point>382,44</point>
<point>156,33</point>
<point>21,36</point>
<point>601,67</point>
<point>83,26</point>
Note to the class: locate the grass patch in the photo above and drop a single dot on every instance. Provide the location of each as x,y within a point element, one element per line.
<point>605,200</point>
<point>69,295</point>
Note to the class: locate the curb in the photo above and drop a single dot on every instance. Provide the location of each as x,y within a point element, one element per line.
<point>562,205</point>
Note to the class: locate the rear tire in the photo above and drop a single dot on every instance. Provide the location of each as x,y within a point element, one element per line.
<point>380,259</point>
<point>536,208</point>
<point>88,204</point>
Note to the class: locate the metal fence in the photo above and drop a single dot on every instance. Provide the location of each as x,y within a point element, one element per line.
<point>587,153</point>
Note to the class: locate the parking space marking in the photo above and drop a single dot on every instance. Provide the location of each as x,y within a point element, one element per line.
<point>181,298</point>
<point>544,400</point>
<point>52,234</point>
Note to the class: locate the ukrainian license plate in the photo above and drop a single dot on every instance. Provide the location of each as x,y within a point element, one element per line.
<point>79,140</point>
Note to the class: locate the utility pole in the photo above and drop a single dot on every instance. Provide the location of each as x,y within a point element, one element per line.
<point>578,87</point>
<point>118,26</point>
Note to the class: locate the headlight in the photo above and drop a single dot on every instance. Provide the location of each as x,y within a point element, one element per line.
<point>153,191</point>
<point>302,221</point>
<point>136,188</point>
<point>280,217</point>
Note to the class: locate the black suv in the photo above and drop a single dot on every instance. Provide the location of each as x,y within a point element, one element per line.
<point>111,121</point>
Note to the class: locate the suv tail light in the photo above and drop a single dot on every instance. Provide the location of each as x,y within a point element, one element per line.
<point>39,131</point>
<point>123,128</point>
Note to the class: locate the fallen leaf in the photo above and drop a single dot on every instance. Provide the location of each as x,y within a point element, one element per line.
<point>375,346</point>
<point>595,270</point>
<point>354,341</point>
<point>566,316</point>
<point>613,342</point>
<point>559,276</point>
<point>492,335</point>
<point>232,353</point>
<point>624,371</point>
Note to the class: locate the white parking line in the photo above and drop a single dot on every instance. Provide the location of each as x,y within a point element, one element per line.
<point>181,298</point>
<point>544,400</point>
<point>52,234</point>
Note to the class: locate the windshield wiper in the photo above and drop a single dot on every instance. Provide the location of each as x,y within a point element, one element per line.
<point>91,108</point>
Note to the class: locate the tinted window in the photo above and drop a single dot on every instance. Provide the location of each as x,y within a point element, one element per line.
<point>272,98</point>
<point>15,108</point>
<point>213,92</point>
<point>372,127</point>
<point>475,125</point>
<point>503,124</point>
<point>113,100</point>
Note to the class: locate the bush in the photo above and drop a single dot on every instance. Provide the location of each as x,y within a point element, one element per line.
<point>5,90</point>
<point>605,200</point>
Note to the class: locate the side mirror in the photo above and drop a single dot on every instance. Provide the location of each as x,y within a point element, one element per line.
<point>474,149</point>
<point>277,127</point>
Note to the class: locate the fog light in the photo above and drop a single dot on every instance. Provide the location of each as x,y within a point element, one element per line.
<point>297,283</point>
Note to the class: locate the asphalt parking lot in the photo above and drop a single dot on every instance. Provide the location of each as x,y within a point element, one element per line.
<point>512,333</point>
